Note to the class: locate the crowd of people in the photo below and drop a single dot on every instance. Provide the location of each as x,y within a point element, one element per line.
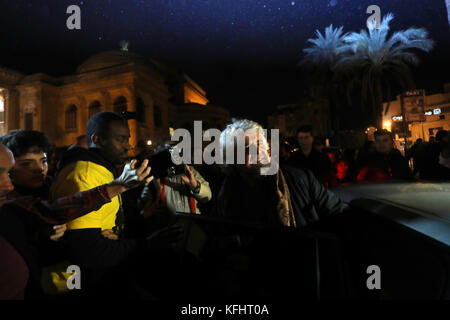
<point>377,160</point>
<point>92,206</point>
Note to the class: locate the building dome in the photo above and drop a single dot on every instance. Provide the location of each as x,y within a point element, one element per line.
<point>110,59</point>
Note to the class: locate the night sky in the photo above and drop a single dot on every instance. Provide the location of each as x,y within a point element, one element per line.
<point>243,52</point>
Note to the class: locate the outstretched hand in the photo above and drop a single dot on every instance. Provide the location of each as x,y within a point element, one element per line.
<point>132,177</point>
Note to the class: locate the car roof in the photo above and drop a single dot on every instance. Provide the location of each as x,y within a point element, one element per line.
<point>429,198</point>
<point>422,206</point>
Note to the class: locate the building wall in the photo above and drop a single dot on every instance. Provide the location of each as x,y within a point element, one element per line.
<point>48,103</point>
<point>48,98</point>
<point>192,96</point>
<point>193,93</point>
<point>433,122</point>
<point>8,80</point>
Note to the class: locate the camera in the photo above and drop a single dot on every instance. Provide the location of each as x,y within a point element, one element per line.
<point>163,166</point>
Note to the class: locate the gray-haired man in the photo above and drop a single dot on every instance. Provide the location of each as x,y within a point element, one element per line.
<point>290,197</point>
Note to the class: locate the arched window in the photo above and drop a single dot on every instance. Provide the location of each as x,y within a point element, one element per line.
<point>94,108</point>
<point>71,118</point>
<point>157,116</point>
<point>140,110</point>
<point>120,105</point>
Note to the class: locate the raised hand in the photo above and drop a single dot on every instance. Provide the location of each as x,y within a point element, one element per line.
<point>59,232</point>
<point>130,178</point>
<point>189,178</point>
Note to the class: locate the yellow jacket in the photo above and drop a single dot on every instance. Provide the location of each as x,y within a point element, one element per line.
<point>84,175</point>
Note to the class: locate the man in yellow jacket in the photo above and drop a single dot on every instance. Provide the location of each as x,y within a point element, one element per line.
<point>82,169</point>
<point>94,241</point>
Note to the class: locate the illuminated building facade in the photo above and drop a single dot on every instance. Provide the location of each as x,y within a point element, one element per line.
<point>437,117</point>
<point>160,96</point>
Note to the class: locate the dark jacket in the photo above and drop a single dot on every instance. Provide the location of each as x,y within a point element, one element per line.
<point>317,162</point>
<point>431,169</point>
<point>311,201</point>
<point>418,153</point>
<point>13,272</point>
<point>76,153</point>
<point>380,166</point>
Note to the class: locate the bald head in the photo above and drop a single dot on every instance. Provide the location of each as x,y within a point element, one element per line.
<point>6,163</point>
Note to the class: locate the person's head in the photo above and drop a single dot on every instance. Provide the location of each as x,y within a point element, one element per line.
<point>109,132</point>
<point>419,141</point>
<point>6,164</point>
<point>384,142</point>
<point>305,137</point>
<point>442,136</point>
<point>254,138</point>
<point>31,150</point>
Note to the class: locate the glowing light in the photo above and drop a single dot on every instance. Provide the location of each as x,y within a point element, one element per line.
<point>387,125</point>
<point>437,111</point>
<point>149,142</point>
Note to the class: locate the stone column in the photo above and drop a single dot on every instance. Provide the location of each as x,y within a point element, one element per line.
<point>106,103</point>
<point>131,106</point>
<point>12,109</point>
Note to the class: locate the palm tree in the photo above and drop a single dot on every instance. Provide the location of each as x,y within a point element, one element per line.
<point>326,48</point>
<point>319,61</point>
<point>383,62</point>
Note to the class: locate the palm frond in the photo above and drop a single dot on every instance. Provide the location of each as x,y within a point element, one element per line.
<point>325,47</point>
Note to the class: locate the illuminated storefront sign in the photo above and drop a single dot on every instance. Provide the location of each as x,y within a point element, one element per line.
<point>427,113</point>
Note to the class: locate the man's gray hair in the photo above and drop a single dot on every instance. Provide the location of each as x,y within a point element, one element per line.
<point>230,133</point>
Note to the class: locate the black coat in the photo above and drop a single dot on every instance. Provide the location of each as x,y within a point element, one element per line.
<point>392,164</point>
<point>311,201</point>
<point>317,162</point>
<point>30,236</point>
